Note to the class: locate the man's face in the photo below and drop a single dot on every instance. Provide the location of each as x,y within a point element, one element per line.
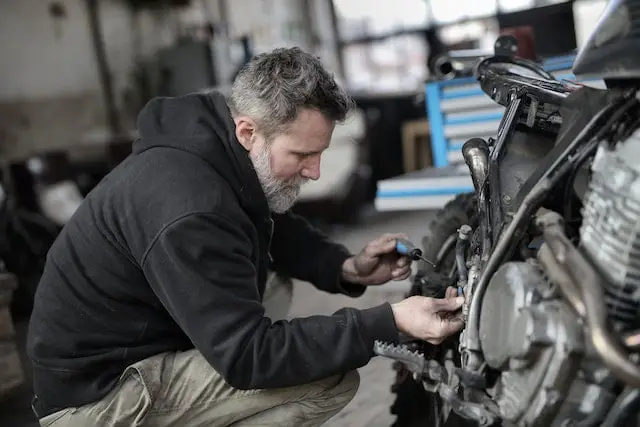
<point>288,160</point>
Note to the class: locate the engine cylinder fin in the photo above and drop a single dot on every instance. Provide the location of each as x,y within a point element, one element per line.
<point>610,232</point>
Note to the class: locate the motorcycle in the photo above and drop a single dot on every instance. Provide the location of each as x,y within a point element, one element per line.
<point>545,252</point>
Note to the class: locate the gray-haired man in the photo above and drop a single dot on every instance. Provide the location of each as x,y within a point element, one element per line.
<point>149,311</point>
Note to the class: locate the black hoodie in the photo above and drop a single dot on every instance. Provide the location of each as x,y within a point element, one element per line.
<point>170,252</point>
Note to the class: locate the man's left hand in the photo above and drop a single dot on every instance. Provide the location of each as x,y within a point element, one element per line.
<point>377,263</point>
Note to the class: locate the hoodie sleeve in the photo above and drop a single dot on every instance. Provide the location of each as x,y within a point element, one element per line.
<point>303,252</point>
<point>200,267</point>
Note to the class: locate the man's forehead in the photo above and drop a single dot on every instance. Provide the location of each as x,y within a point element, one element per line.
<point>310,126</point>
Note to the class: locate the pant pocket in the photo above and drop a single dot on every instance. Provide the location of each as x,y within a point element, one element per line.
<point>53,419</point>
<point>149,372</point>
<point>126,405</point>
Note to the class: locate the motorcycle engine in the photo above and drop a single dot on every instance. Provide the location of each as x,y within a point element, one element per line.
<point>536,343</point>
<point>531,336</point>
<point>610,233</point>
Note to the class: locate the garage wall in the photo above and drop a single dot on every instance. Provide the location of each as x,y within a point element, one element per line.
<point>281,23</point>
<point>50,94</point>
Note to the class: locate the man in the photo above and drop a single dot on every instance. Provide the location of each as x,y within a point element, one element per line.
<point>149,310</point>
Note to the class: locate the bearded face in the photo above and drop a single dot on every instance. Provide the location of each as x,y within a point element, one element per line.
<point>289,159</point>
<point>281,193</point>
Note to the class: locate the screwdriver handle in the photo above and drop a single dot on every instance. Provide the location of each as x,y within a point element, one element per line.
<point>408,249</point>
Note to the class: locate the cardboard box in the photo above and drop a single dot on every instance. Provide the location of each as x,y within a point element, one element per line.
<point>11,373</point>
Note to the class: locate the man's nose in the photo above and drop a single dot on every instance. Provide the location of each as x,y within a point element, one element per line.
<point>311,169</point>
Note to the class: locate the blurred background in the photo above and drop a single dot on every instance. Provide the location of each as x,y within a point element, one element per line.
<point>75,73</point>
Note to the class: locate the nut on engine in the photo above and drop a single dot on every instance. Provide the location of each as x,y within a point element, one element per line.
<point>529,333</point>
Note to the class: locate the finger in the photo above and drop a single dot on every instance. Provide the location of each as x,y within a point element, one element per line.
<point>402,262</point>
<point>451,326</point>
<point>383,245</point>
<point>393,236</point>
<point>451,292</point>
<point>400,271</point>
<point>404,274</point>
<point>447,304</point>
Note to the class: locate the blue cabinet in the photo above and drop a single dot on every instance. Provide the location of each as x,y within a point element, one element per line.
<point>457,111</point>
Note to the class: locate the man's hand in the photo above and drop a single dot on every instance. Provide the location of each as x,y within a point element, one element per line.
<point>429,319</point>
<point>377,263</point>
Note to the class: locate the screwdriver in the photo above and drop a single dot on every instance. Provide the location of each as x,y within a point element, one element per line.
<point>408,249</point>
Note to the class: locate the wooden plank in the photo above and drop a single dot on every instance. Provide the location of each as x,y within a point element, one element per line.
<point>416,145</point>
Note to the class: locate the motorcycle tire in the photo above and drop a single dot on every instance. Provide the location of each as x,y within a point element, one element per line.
<point>413,406</point>
<point>459,211</point>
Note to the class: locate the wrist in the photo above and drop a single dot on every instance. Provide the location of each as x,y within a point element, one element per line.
<point>348,272</point>
<point>399,310</point>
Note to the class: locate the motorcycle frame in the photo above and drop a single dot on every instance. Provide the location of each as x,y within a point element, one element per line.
<point>521,95</point>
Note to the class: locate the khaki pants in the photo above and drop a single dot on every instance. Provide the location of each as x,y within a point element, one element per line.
<point>181,389</point>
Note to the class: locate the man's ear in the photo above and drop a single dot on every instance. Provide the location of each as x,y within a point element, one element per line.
<point>245,128</point>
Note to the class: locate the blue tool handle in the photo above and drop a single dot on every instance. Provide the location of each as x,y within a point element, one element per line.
<point>404,247</point>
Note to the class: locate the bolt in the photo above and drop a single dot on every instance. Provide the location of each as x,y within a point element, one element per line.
<point>464,231</point>
<point>599,375</point>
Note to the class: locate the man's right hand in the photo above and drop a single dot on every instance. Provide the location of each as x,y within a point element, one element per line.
<point>429,319</point>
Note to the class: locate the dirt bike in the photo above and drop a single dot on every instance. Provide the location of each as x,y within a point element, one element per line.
<point>546,252</point>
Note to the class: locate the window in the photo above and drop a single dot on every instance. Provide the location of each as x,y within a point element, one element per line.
<point>394,64</point>
<point>444,12</point>
<point>514,5</point>
<point>483,32</point>
<point>361,18</point>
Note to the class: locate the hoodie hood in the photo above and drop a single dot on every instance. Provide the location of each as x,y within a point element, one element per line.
<point>201,124</point>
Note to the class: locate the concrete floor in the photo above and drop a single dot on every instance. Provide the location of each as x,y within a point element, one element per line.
<point>370,406</point>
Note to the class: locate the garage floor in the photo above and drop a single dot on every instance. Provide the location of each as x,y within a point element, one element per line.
<point>370,407</point>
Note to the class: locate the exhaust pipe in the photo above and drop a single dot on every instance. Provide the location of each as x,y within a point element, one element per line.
<point>458,63</point>
<point>587,284</point>
<point>476,155</point>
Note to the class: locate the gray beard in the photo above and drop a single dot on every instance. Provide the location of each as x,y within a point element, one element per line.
<point>281,195</point>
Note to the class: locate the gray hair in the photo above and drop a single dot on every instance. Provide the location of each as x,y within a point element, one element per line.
<point>273,87</point>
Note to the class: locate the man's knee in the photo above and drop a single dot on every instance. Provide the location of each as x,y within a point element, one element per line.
<point>349,385</point>
<point>339,390</point>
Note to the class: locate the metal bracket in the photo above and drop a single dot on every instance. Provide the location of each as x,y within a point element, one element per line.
<point>506,45</point>
<point>435,378</point>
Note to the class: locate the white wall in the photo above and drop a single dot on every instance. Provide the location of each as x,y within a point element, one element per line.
<point>281,23</point>
<point>43,57</point>
<point>50,94</point>
<point>39,58</point>
<point>46,57</point>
